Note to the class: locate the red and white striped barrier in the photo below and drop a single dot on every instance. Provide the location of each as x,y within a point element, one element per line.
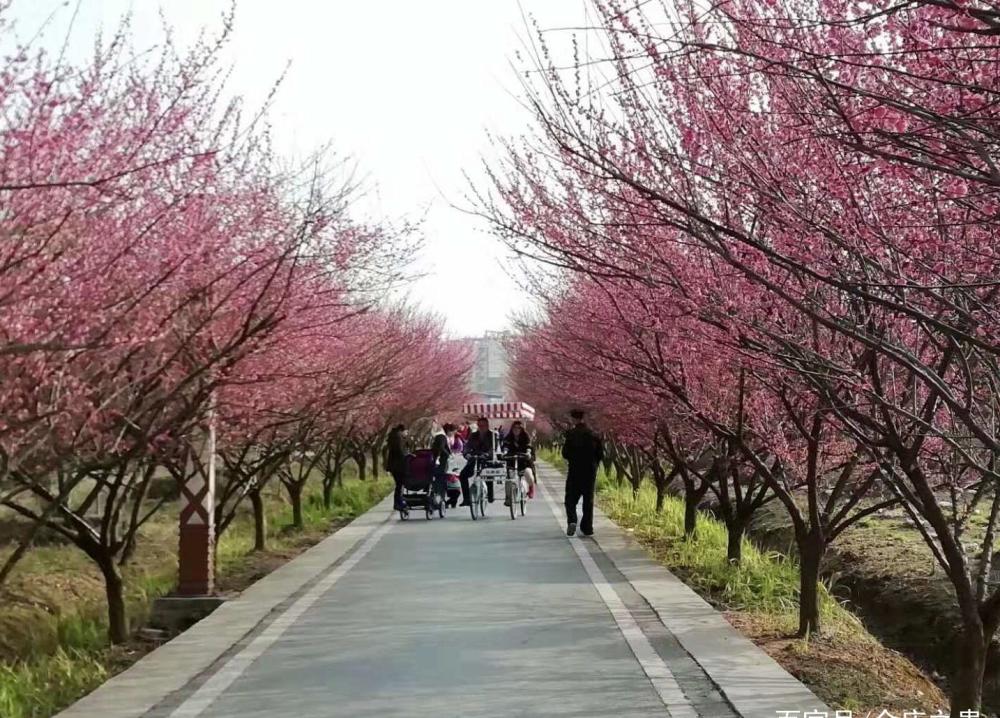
<point>500,410</point>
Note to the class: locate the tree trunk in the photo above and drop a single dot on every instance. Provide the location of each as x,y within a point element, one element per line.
<point>690,512</point>
<point>811,558</point>
<point>27,541</point>
<point>259,521</point>
<point>636,481</point>
<point>734,547</point>
<point>635,475</point>
<point>374,462</point>
<point>967,678</point>
<point>114,589</point>
<point>295,496</point>
<point>619,473</point>
<point>20,552</point>
<point>328,482</point>
<point>362,461</point>
<point>661,494</point>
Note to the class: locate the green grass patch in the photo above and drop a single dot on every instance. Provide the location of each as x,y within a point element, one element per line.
<point>43,686</point>
<point>767,582</point>
<point>53,629</point>
<point>348,501</point>
<point>552,456</point>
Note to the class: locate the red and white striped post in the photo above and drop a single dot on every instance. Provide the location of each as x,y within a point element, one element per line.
<point>197,520</point>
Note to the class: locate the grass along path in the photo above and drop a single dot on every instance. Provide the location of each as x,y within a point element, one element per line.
<point>53,642</point>
<point>844,665</point>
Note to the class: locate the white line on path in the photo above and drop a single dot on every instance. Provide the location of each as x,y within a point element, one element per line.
<point>664,683</point>
<point>211,689</point>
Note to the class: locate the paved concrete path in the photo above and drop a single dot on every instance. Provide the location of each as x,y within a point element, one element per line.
<point>459,618</point>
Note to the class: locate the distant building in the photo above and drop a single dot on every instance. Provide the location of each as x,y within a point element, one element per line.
<point>488,379</point>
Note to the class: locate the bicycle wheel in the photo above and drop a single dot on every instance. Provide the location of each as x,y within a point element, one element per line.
<point>522,503</point>
<point>473,500</point>
<point>511,497</point>
<point>523,496</point>
<point>482,502</point>
<point>441,504</point>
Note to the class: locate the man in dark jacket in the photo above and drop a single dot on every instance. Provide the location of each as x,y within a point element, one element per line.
<point>395,461</point>
<point>480,442</point>
<point>583,451</point>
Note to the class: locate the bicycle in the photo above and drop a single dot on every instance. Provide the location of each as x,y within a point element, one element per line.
<point>485,469</point>
<point>514,486</point>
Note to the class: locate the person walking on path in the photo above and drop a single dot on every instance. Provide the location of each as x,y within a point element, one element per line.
<point>395,461</point>
<point>441,448</point>
<point>583,451</point>
<point>455,463</point>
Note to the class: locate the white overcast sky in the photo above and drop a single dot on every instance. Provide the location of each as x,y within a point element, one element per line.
<point>408,88</point>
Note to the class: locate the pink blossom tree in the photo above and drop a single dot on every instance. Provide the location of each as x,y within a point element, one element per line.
<point>834,167</point>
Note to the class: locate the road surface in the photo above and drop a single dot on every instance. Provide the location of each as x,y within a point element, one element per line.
<point>455,618</point>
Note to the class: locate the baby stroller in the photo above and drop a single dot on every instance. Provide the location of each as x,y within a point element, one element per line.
<point>419,486</point>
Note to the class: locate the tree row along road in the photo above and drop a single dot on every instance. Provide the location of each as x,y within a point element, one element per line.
<point>772,232</point>
<point>177,299</point>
